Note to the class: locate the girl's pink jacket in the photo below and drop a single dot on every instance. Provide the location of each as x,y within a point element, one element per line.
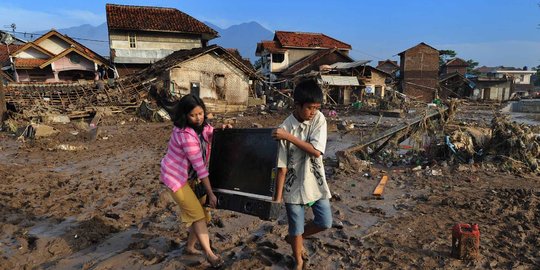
<point>184,150</point>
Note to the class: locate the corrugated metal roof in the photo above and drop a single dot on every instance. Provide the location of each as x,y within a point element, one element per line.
<point>340,80</point>
<point>347,65</point>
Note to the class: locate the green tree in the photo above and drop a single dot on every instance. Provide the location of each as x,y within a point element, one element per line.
<point>445,55</point>
<point>472,65</point>
<point>537,79</point>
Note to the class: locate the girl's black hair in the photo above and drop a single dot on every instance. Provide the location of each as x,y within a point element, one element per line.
<point>186,104</point>
<point>307,91</point>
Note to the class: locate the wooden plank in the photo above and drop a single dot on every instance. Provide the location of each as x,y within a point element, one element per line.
<point>377,137</point>
<point>380,187</point>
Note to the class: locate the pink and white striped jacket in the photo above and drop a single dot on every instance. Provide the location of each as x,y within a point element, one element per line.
<point>184,150</point>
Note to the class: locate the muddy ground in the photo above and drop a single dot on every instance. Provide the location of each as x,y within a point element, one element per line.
<point>103,207</point>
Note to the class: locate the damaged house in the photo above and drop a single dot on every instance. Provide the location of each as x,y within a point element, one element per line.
<point>455,65</point>
<point>453,81</point>
<point>142,35</point>
<point>455,85</point>
<point>367,81</point>
<point>419,72</point>
<point>213,73</point>
<point>499,83</point>
<point>53,57</point>
<point>388,66</point>
<point>291,54</point>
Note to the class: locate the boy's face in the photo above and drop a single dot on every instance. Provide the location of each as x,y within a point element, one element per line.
<point>308,110</point>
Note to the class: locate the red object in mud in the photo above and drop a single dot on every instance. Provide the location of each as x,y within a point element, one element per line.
<point>465,241</point>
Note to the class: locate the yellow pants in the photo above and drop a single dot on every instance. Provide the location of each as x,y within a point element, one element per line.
<point>191,208</point>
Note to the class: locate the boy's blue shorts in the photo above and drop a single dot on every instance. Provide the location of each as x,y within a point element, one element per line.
<point>321,212</point>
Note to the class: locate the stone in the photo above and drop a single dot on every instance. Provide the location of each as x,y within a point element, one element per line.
<point>58,118</point>
<point>44,131</point>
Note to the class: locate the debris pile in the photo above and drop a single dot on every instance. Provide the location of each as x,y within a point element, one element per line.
<point>515,145</point>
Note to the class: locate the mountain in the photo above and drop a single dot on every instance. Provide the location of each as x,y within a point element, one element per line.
<point>243,37</point>
<point>94,37</point>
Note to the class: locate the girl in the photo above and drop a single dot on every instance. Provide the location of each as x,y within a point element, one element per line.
<point>185,165</point>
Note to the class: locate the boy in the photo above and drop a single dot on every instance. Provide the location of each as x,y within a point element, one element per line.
<point>300,180</point>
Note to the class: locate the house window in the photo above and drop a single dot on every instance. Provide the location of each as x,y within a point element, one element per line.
<point>132,40</point>
<point>75,58</point>
<point>278,57</point>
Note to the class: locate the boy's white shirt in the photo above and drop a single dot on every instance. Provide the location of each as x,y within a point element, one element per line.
<point>305,181</point>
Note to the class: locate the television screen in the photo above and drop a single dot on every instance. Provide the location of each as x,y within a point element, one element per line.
<point>243,162</point>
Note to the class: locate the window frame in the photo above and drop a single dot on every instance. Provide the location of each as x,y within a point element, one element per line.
<point>132,39</point>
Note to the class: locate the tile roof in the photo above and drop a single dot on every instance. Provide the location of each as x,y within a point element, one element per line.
<point>91,54</point>
<point>29,62</point>
<point>238,56</point>
<point>394,63</point>
<point>308,60</point>
<point>308,40</point>
<point>456,62</point>
<point>269,45</point>
<point>417,45</point>
<point>180,56</point>
<point>37,63</point>
<point>448,76</point>
<point>4,55</point>
<point>154,19</point>
<point>485,69</point>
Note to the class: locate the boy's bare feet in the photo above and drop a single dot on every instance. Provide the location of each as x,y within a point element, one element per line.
<point>304,252</point>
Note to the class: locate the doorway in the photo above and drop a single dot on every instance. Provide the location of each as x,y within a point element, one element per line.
<point>195,88</point>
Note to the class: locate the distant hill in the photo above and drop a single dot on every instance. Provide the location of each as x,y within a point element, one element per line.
<point>94,37</point>
<point>243,37</point>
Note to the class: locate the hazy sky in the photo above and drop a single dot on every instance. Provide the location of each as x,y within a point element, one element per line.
<point>493,32</point>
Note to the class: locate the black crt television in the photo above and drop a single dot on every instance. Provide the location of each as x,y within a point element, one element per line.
<point>242,168</point>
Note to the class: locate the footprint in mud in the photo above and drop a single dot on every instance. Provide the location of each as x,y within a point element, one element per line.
<point>268,252</point>
<point>371,210</point>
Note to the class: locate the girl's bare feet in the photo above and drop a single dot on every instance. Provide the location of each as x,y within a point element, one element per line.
<point>215,262</point>
<point>192,251</point>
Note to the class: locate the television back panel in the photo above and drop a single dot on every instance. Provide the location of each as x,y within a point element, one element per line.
<point>243,170</point>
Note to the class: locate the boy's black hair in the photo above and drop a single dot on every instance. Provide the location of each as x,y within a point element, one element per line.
<point>307,91</point>
<point>186,104</point>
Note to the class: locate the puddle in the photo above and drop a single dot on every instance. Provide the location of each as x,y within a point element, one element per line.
<point>526,118</point>
<point>337,142</point>
<point>50,230</point>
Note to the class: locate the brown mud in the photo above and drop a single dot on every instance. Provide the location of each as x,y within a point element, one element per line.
<point>103,207</point>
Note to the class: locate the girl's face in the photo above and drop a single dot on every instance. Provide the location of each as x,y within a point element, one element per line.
<point>196,116</point>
